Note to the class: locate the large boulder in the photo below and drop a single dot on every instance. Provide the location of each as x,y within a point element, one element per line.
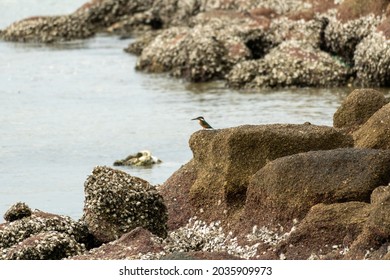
<point>35,227</point>
<point>375,132</point>
<point>286,188</point>
<point>116,203</point>
<point>357,108</point>
<point>213,185</point>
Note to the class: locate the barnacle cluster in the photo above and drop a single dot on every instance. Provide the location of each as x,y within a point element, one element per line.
<point>116,203</point>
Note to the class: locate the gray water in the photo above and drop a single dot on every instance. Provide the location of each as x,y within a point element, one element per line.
<point>66,108</point>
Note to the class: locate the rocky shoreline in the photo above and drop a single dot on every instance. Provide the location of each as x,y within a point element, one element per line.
<point>248,44</point>
<point>277,191</point>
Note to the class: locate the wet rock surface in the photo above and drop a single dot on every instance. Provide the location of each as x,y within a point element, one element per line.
<point>116,203</point>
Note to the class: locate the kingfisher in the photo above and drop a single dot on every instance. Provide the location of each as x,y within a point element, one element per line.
<point>203,123</point>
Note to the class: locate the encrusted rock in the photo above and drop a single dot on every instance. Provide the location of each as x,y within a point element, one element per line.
<point>292,63</point>
<point>17,211</point>
<point>342,38</point>
<point>202,53</point>
<point>116,203</point>
<point>375,132</point>
<point>142,41</point>
<point>49,245</point>
<point>288,187</point>
<point>358,107</point>
<point>372,60</point>
<point>284,29</point>
<point>39,223</point>
<point>84,23</point>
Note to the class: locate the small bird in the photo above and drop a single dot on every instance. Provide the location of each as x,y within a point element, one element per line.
<point>203,123</point>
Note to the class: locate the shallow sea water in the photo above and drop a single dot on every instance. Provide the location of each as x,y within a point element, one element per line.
<point>68,107</point>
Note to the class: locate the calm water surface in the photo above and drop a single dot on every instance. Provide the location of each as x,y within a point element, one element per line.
<point>68,107</point>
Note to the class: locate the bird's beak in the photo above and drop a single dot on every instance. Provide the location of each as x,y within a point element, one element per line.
<point>194,119</point>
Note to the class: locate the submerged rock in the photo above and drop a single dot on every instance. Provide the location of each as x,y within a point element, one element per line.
<point>116,203</point>
<point>142,158</point>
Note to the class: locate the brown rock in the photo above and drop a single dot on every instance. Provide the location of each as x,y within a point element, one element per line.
<point>288,187</point>
<point>373,242</point>
<point>176,194</point>
<point>357,108</point>
<point>226,159</point>
<point>375,132</point>
<point>325,229</point>
<point>131,245</point>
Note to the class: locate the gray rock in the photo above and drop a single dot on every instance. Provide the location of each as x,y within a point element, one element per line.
<point>39,223</point>
<point>292,63</point>
<point>116,203</point>
<point>49,245</point>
